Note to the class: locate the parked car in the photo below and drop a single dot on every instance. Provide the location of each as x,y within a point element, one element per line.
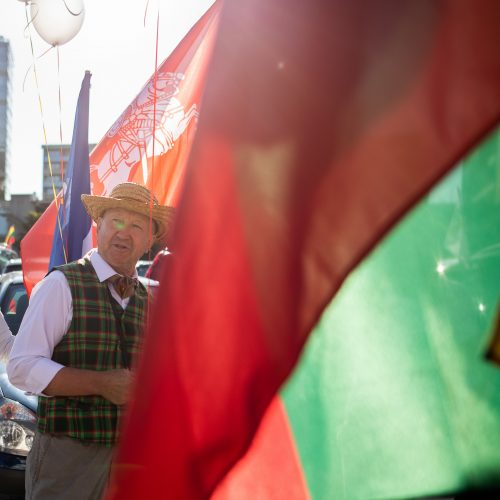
<point>11,265</point>
<point>17,410</point>
<point>17,427</point>
<point>142,266</point>
<point>6,254</point>
<point>151,285</point>
<point>13,299</point>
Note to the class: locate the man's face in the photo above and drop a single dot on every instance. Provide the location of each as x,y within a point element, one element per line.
<point>122,238</point>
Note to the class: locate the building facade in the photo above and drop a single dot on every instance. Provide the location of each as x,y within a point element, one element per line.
<point>5,113</point>
<point>59,158</point>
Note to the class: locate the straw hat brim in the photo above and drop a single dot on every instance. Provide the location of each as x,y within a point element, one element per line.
<point>162,215</point>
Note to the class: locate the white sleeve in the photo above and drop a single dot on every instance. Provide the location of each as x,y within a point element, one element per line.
<point>6,338</point>
<point>47,319</point>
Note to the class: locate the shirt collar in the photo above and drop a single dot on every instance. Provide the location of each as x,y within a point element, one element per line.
<point>102,268</point>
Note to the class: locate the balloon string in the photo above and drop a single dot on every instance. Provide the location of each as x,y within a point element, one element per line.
<point>146,12</point>
<point>26,29</point>
<point>28,22</point>
<point>76,14</point>
<point>61,156</point>
<point>45,131</point>
<point>32,65</point>
<point>61,159</point>
<point>155,80</point>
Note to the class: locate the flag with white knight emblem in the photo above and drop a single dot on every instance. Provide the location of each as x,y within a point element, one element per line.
<point>148,144</point>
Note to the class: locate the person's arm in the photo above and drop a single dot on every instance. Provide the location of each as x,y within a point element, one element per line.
<point>44,324</point>
<point>113,385</point>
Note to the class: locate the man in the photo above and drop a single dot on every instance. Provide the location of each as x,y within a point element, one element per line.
<point>77,344</point>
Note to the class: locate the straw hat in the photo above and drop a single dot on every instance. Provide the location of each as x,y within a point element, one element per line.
<point>133,197</point>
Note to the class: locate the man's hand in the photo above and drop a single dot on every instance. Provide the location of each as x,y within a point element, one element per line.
<point>116,385</point>
<point>113,385</point>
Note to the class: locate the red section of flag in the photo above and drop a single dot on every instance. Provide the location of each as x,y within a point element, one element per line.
<point>323,123</point>
<point>36,246</point>
<point>161,121</point>
<point>271,469</point>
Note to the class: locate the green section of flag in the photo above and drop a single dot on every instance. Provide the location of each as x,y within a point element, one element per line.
<point>393,397</point>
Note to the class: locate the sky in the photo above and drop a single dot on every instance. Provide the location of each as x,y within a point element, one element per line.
<point>117,43</point>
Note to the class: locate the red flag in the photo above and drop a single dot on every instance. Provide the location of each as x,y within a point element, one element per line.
<point>271,469</point>
<point>323,123</point>
<point>148,144</point>
<point>37,245</point>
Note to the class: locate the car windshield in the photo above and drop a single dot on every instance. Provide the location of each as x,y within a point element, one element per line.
<point>12,265</point>
<point>13,305</point>
<point>142,266</point>
<point>5,256</point>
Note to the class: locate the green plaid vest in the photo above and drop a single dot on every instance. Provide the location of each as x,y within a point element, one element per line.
<point>93,343</point>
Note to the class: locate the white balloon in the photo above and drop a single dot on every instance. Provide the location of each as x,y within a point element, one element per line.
<point>57,21</point>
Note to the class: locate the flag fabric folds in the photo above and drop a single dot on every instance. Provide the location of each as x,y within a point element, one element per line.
<point>493,352</point>
<point>72,237</point>
<point>393,396</point>
<point>323,123</point>
<point>148,144</point>
<point>272,468</point>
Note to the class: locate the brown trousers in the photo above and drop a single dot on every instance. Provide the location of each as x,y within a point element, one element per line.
<point>62,468</point>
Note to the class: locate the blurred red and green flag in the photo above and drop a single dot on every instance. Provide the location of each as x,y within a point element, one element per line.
<point>322,124</point>
<point>393,397</point>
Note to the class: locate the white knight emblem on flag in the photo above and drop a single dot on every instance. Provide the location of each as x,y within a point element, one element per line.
<point>140,129</point>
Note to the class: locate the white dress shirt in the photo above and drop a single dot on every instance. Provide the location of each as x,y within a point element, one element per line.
<point>6,338</point>
<point>46,321</point>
